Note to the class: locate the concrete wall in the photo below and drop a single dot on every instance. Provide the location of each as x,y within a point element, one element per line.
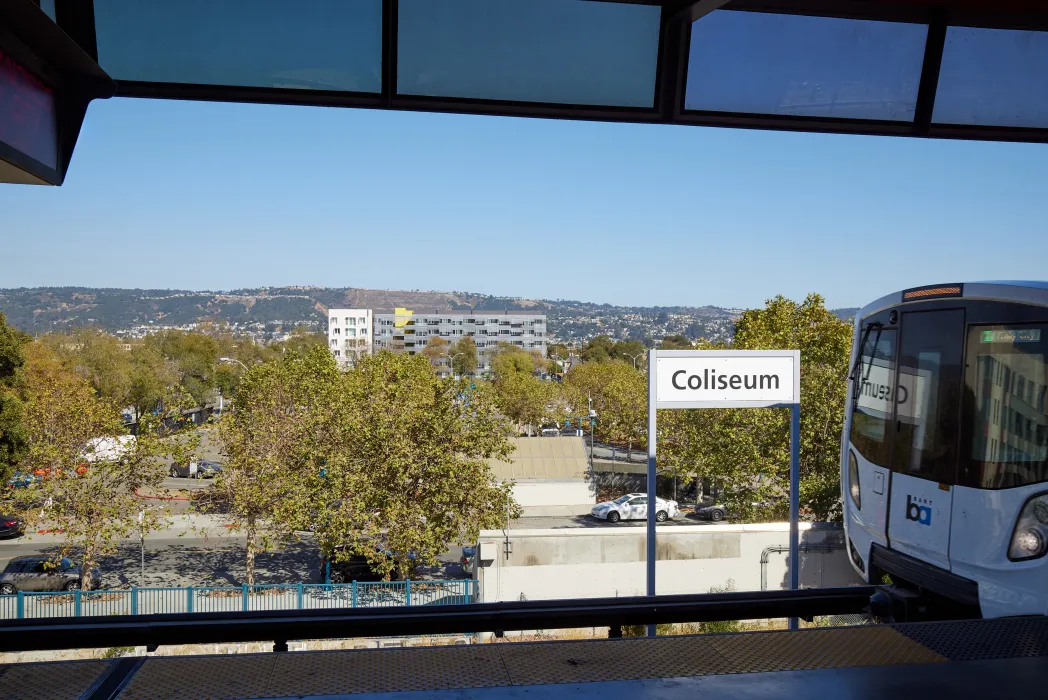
<point>553,493</point>
<point>609,561</point>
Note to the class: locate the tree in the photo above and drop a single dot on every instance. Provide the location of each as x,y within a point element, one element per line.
<point>150,377</point>
<point>436,351</point>
<point>619,394</point>
<point>748,449</point>
<point>523,397</point>
<point>98,357</point>
<point>12,429</point>
<point>275,439</point>
<point>675,342</point>
<point>89,471</point>
<point>464,357</point>
<point>195,356</point>
<point>301,340</point>
<point>411,475</point>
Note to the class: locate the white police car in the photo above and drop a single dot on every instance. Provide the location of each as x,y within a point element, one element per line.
<point>634,506</point>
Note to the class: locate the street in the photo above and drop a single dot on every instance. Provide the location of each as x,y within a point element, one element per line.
<point>213,560</point>
<point>199,551</point>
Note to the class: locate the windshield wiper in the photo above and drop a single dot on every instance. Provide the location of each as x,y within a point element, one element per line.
<point>857,386</point>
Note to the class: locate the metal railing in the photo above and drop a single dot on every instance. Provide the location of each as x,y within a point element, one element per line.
<point>423,619</point>
<point>215,599</point>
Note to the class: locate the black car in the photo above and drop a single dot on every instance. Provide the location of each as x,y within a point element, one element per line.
<point>10,526</point>
<point>355,568</point>
<point>42,574</point>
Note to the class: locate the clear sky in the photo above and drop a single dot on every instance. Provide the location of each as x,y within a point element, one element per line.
<point>220,196</point>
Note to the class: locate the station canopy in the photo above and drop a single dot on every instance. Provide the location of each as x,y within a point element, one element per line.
<point>935,68</point>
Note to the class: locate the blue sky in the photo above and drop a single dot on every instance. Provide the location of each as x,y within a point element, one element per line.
<point>219,196</point>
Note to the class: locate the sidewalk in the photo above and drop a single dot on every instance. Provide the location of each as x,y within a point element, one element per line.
<point>185,525</point>
<point>557,511</point>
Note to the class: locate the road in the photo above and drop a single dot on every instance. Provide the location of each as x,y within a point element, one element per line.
<point>195,560</point>
<point>194,553</point>
<point>175,483</point>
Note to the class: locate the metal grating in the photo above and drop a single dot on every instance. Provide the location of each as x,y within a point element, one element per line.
<point>762,652</point>
<point>617,660</point>
<point>973,640</point>
<point>539,663</point>
<point>49,681</point>
<point>387,670</point>
<point>196,677</point>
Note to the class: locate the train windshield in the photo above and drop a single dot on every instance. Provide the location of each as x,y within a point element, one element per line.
<point>1007,380</point>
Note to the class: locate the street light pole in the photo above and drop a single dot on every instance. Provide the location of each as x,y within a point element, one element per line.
<point>451,362</point>
<point>231,360</point>
<point>634,358</point>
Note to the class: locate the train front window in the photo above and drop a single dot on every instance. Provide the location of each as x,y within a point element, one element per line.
<point>1007,380</point>
<point>874,388</point>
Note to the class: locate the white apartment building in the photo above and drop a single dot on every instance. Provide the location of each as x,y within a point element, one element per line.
<point>350,334</point>
<point>409,331</point>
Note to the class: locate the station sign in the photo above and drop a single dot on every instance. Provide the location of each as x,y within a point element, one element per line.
<point>727,378</point>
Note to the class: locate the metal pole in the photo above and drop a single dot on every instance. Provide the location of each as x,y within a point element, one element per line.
<point>652,432</point>
<point>795,481</point>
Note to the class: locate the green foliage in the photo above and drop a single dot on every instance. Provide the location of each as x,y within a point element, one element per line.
<point>675,342</point>
<point>464,357</point>
<point>748,449</point>
<point>195,357</point>
<point>620,398</point>
<point>521,396</point>
<point>275,440</point>
<point>12,430</point>
<point>603,349</point>
<point>411,473</point>
<point>90,470</point>
<point>99,358</point>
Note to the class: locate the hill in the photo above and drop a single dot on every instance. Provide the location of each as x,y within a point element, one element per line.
<point>269,311</point>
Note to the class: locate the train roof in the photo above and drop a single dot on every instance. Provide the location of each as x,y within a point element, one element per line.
<point>1017,291</point>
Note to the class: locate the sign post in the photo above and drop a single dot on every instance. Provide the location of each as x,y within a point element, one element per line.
<point>725,379</point>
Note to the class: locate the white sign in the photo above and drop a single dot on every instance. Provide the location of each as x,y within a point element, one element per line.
<point>727,378</point>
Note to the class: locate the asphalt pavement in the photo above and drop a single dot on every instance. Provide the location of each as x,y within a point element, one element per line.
<point>200,551</point>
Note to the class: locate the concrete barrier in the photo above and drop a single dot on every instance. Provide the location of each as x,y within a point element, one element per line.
<point>553,493</point>
<point>609,561</point>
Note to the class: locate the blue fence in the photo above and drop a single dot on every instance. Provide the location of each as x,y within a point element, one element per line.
<point>294,596</point>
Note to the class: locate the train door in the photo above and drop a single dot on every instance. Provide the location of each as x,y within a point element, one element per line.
<point>928,386</point>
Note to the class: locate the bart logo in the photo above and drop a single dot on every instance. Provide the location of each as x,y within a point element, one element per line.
<point>918,513</point>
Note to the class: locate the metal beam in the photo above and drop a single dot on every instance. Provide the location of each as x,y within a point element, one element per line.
<point>280,626</point>
<point>933,48</point>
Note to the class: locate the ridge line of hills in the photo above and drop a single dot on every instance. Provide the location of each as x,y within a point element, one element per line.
<point>275,310</point>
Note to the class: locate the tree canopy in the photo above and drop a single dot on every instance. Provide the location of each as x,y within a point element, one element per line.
<point>88,471</point>
<point>12,429</point>
<point>747,450</point>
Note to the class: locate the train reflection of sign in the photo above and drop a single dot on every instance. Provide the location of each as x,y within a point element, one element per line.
<point>878,391</point>
<point>28,121</point>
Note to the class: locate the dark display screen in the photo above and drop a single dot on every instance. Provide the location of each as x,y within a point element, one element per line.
<point>27,113</point>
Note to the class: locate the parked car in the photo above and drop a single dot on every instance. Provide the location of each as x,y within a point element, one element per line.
<point>634,506</point>
<point>355,568</point>
<point>469,558</point>
<point>10,526</point>
<point>42,574</point>
<point>200,469</point>
<point>711,510</point>
<point>551,432</point>
<point>21,480</point>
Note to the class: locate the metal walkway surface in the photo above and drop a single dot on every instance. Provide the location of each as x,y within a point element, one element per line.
<point>1003,658</point>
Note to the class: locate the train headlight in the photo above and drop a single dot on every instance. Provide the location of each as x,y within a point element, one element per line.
<point>1031,530</point>
<point>853,480</point>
